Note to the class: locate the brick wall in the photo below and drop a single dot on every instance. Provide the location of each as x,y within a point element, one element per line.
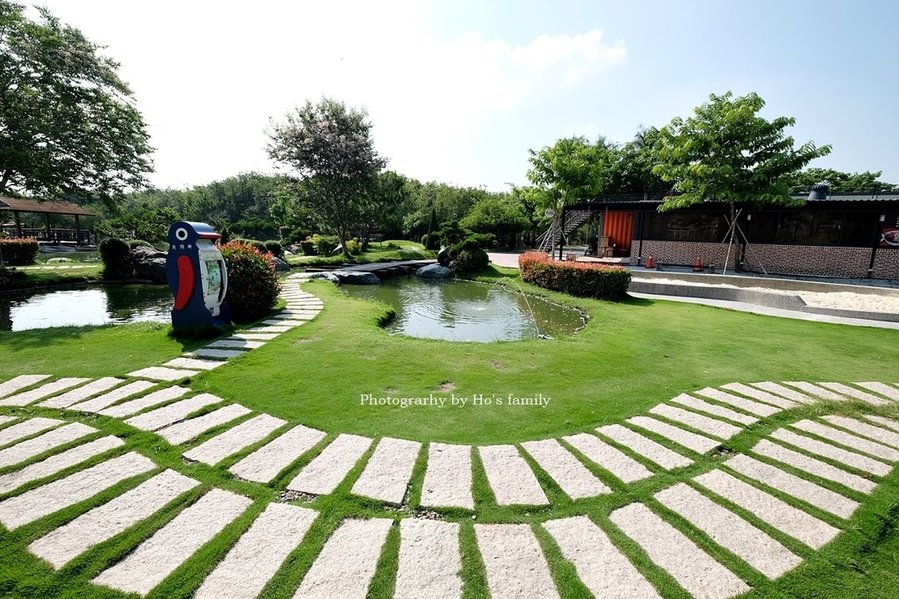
<point>848,262</point>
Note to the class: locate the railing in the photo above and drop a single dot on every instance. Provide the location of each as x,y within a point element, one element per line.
<point>79,237</point>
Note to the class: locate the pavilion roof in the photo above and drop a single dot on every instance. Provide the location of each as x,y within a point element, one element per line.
<point>42,206</point>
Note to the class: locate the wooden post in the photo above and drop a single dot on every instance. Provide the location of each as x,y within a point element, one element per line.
<point>18,224</point>
<point>77,231</point>
<point>48,226</point>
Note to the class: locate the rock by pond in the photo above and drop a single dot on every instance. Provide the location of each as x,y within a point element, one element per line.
<point>434,271</point>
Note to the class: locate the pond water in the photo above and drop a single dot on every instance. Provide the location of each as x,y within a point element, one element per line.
<point>467,311</point>
<point>91,306</point>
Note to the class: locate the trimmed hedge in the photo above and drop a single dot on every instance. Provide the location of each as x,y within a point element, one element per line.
<point>575,278</point>
<point>253,285</point>
<point>18,251</point>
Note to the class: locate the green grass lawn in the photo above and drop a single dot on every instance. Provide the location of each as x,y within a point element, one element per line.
<point>382,251</point>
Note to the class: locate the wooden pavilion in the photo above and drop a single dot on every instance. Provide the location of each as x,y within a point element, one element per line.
<point>47,233</point>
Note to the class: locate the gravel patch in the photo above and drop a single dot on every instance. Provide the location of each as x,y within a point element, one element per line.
<point>253,336</point>
<point>26,397</point>
<point>601,567</point>
<point>704,406</point>
<point>697,443</point>
<point>67,542</point>
<point>729,530</point>
<point>514,562</point>
<point>194,363</point>
<point>649,449</point>
<point>710,426</point>
<point>884,422</point>
<point>843,456</point>
<point>26,428</point>
<point>185,431</point>
<point>322,475</point>
<point>855,393</point>
<point>245,571</point>
<point>346,565</point>
<point>82,393</point>
<point>387,474</point>
<point>843,438</point>
<point>235,344</point>
<point>57,463</point>
<point>817,391</point>
<point>867,430</point>
<point>761,395</point>
<point>447,480</point>
<point>429,560</point>
<point>160,373</point>
<point>618,463</point>
<point>107,399</point>
<point>510,477</point>
<point>235,439</point>
<point>264,464</point>
<point>784,392</point>
<point>809,492</point>
<point>172,413</point>
<point>174,543</point>
<point>747,405</point>
<point>769,509</point>
<point>671,550</point>
<point>20,382</point>
<point>52,497</point>
<point>147,401</point>
<point>882,388</point>
<point>570,474</point>
<point>32,447</point>
<point>812,466</point>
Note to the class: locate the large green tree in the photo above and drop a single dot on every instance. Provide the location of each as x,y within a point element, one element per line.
<point>331,149</point>
<point>570,170</point>
<point>68,124</point>
<point>840,182</point>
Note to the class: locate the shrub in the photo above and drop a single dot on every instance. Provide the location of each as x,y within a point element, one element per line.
<point>134,243</point>
<point>575,278</point>
<point>469,260</point>
<point>308,247</point>
<point>116,256</point>
<point>18,251</point>
<point>252,283</point>
<point>354,247</point>
<point>431,241</point>
<point>252,243</point>
<point>325,244</point>
<point>274,248</point>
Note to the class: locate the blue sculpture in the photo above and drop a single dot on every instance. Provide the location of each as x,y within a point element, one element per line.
<point>197,276</point>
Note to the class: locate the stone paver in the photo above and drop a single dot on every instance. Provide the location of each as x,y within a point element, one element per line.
<point>322,475</point>
<point>26,428</point>
<point>235,344</point>
<point>817,391</point>
<point>182,432</point>
<point>39,502</point>
<point>267,329</point>
<point>172,413</point>
<point>760,395</point>
<point>174,543</point>
<point>880,435</point>
<point>387,474</point>
<point>783,391</point>
<point>747,405</point>
<point>671,550</point>
<point>883,421</point>
<point>600,566</point>
<point>644,446</point>
<point>81,393</point>
<point>346,565</point>
<point>812,466</point>
<point>514,562</point>
<point>244,572</point>
<point>843,456</point>
<point>194,363</point>
<point>56,463</point>
<point>253,336</point>
<point>429,560</point>
<point>697,443</point>
<point>447,480</point>
<point>218,354</point>
<point>855,393</point>
<point>843,438</point>
<point>44,442</point>
<point>809,492</point>
<point>568,472</point>
<point>147,401</point>
<point>107,399</point>
<point>615,461</point>
<point>264,464</point>
<point>709,426</point>
<point>729,530</point>
<point>769,509</point>
<point>715,410</point>
<point>160,373</point>
<point>292,322</point>
<point>47,389</point>
<point>235,439</point>
<point>20,382</point>
<point>104,522</point>
<point>511,479</point>
<point>882,388</point>
<point>6,419</point>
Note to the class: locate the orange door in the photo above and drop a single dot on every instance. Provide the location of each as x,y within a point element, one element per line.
<point>618,226</point>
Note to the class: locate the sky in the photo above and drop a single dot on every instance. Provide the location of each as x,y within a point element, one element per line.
<point>458,91</point>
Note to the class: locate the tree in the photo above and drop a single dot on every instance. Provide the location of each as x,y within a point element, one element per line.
<point>500,215</point>
<point>331,149</point>
<point>840,182</point>
<point>572,169</point>
<point>68,124</point>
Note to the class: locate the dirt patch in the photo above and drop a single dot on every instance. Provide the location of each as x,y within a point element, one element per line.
<point>446,386</point>
<point>496,364</point>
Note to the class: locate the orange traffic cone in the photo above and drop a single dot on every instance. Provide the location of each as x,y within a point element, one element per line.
<point>697,266</point>
<point>650,263</point>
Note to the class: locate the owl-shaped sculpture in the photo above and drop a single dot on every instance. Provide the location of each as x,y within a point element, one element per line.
<point>196,275</point>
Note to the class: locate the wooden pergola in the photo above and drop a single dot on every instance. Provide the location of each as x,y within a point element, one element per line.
<point>48,208</point>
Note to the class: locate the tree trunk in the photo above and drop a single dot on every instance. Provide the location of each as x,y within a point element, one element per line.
<point>734,240</point>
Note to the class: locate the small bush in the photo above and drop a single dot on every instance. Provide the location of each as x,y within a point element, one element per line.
<point>325,244</point>
<point>18,251</point>
<point>252,243</point>
<point>116,256</point>
<point>252,282</point>
<point>469,260</point>
<point>135,243</point>
<point>354,247</point>
<point>431,241</point>
<point>274,248</point>
<point>575,278</point>
<point>308,247</point>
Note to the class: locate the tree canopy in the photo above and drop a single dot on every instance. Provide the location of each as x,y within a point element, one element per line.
<point>571,169</point>
<point>840,182</point>
<point>68,124</point>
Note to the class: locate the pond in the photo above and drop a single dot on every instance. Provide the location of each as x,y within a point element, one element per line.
<point>84,306</point>
<point>467,311</point>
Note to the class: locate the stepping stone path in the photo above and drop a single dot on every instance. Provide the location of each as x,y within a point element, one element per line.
<point>107,399</point>
<point>741,403</point>
<point>565,469</point>
<point>510,477</point>
<point>514,562</point>
<point>387,474</point>
<point>812,466</point>
<point>709,426</point>
<point>697,443</point>
<point>26,429</point>
<point>83,392</point>
<point>617,462</point>
<point>883,452</point>
<point>147,401</point>
<point>429,560</point>
<point>264,464</point>
<point>235,439</point>
<point>782,391</point>
<point>883,389</point>
<point>161,373</point>
<point>194,364</point>
<point>704,406</point>
<point>837,454</point>
<point>447,480</point>
<point>187,430</point>
<point>37,445</point>
<point>26,397</point>
<point>172,413</point>
<point>328,469</point>
<point>20,382</point>
<point>649,449</point>
<point>57,463</point>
